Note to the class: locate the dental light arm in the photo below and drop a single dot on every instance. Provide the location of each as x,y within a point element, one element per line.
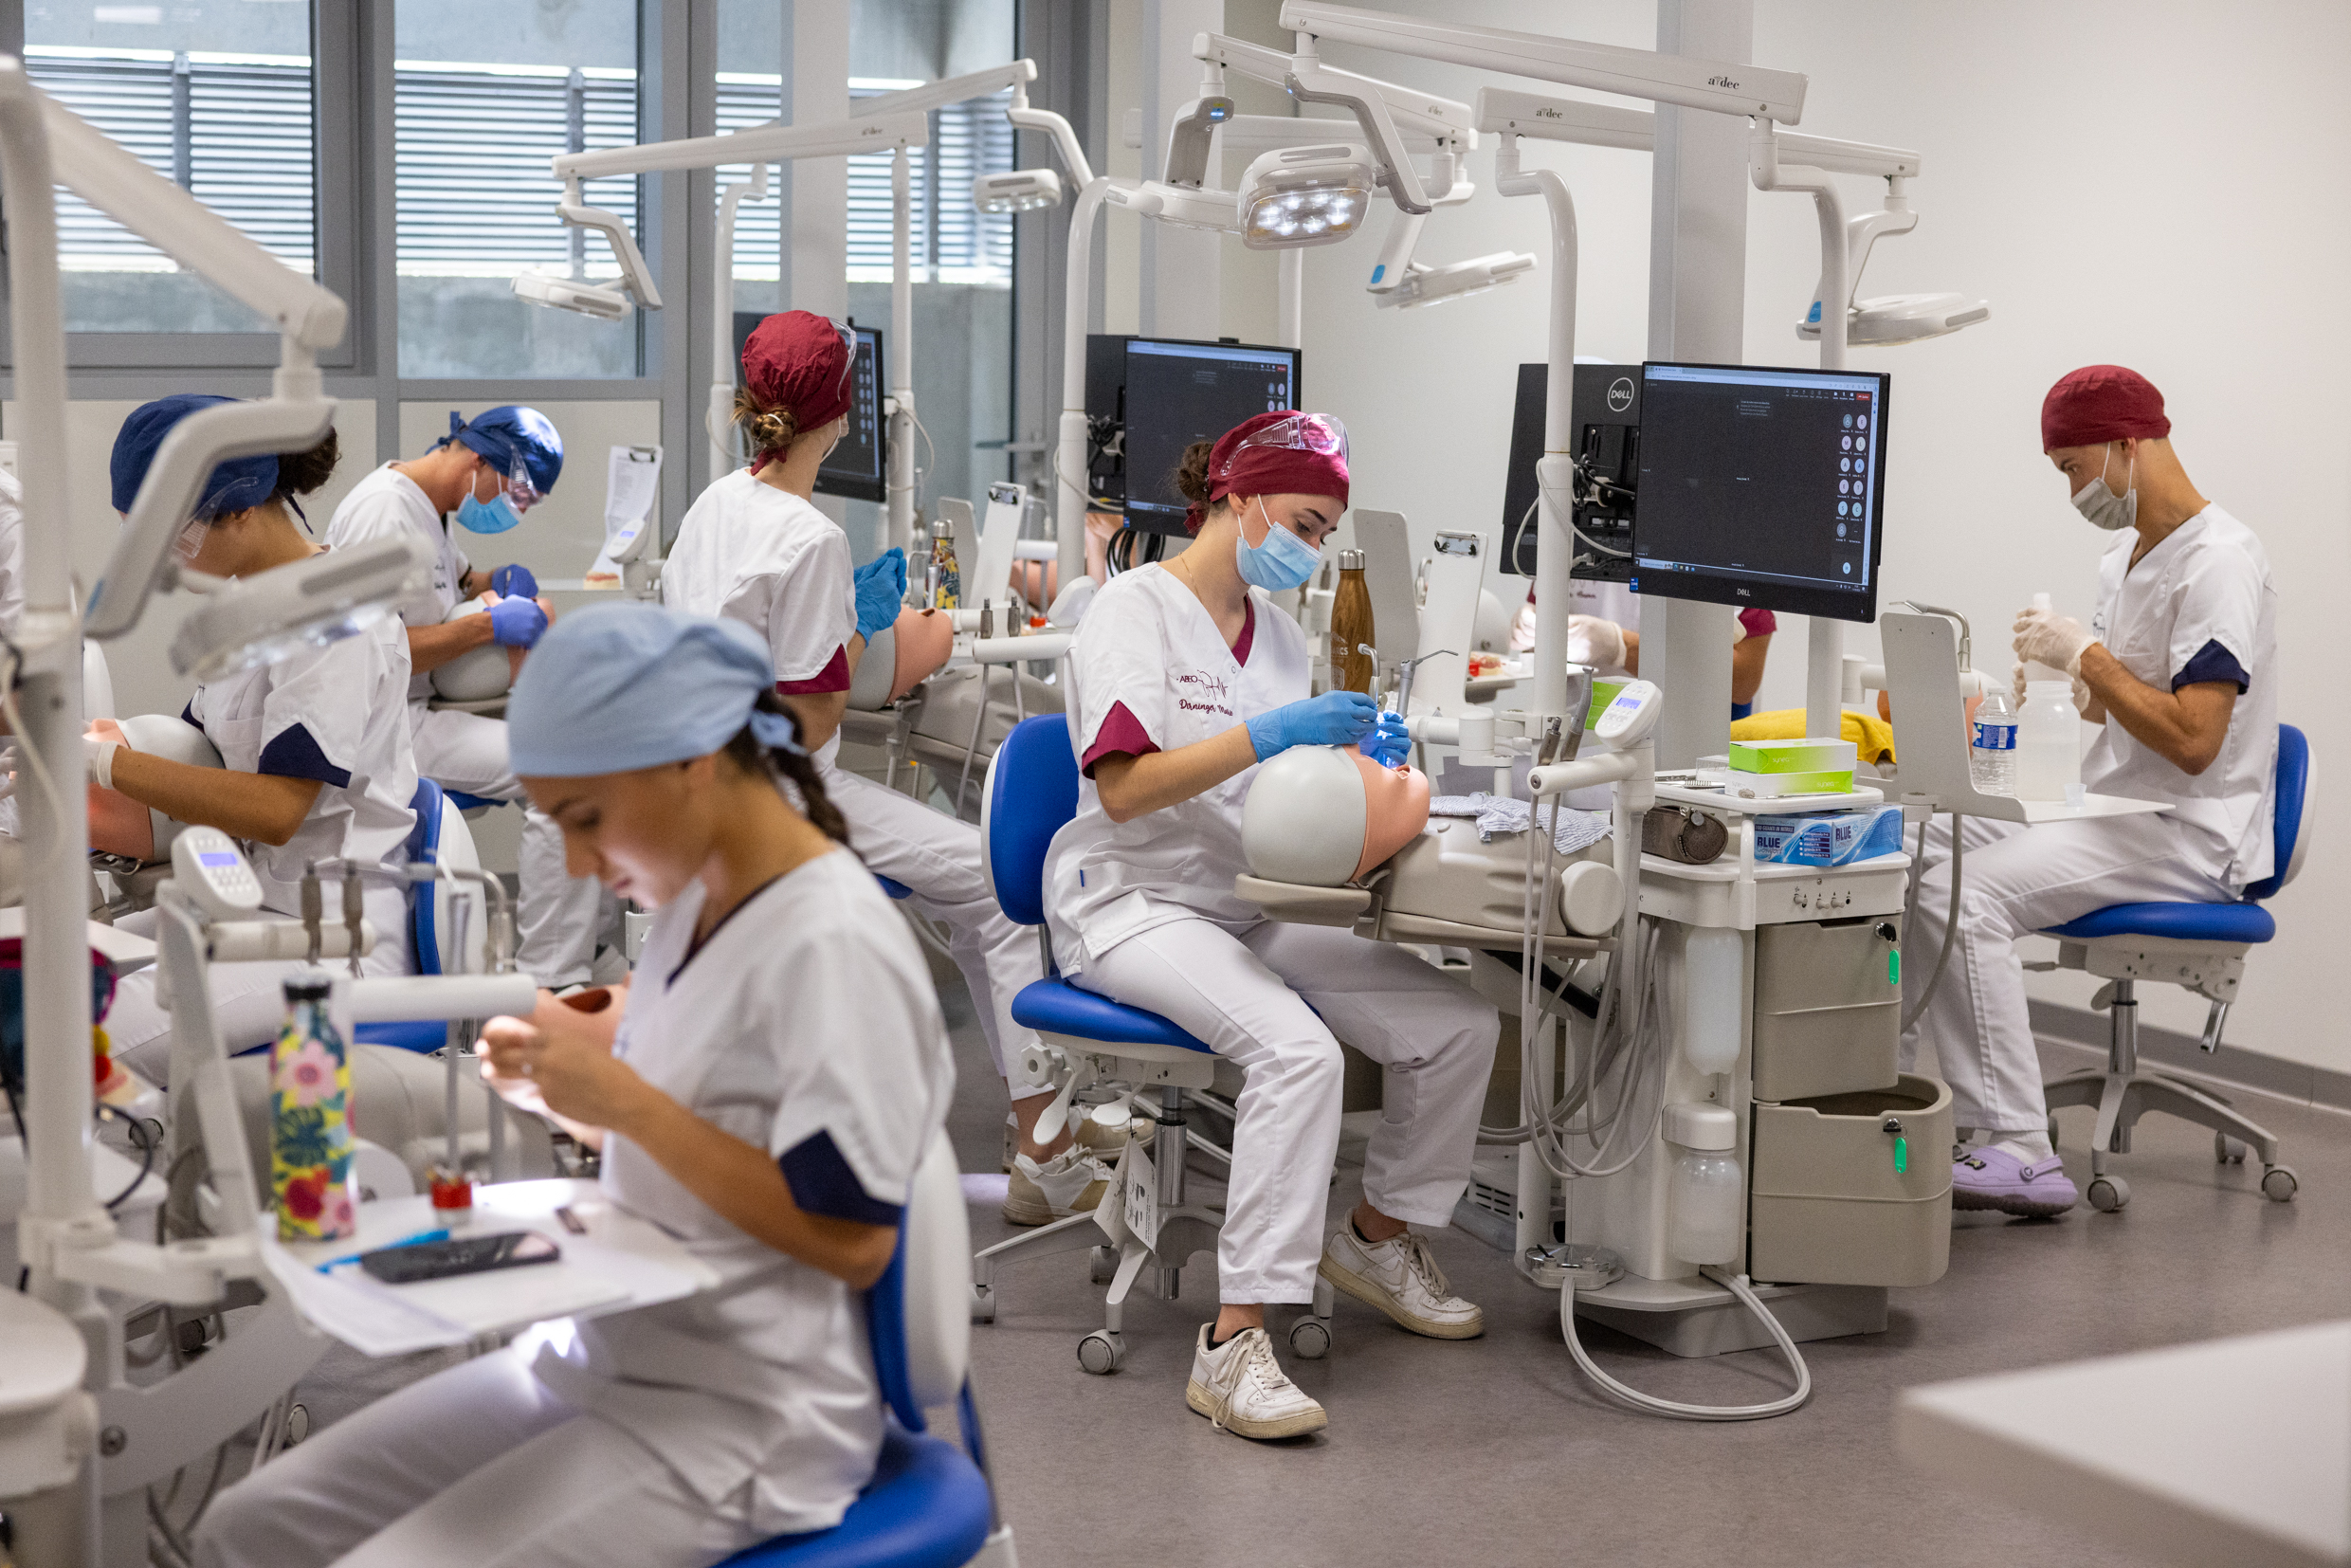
<point>1015,74</point>
<point>1500,111</point>
<point>719,419</point>
<point>1684,81</point>
<point>1412,111</point>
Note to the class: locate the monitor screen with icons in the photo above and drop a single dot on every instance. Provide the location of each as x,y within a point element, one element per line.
<point>1761,488</point>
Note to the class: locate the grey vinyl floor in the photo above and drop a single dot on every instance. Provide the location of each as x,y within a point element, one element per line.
<point>1496,1451</point>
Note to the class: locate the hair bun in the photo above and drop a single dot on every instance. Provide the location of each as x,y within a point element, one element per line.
<point>1192,481</point>
<point>300,473</point>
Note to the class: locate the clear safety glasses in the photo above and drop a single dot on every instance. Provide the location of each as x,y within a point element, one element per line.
<point>848,352</point>
<point>520,493</point>
<point>1305,432</point>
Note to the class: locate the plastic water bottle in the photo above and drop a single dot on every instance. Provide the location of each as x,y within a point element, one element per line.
<point>2049,750</point>
<point>1991,757</point>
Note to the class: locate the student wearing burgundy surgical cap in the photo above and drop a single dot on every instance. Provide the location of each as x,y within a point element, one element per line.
<point>753,548</point>
<point>2178,666</point>
<point>1188,678</point>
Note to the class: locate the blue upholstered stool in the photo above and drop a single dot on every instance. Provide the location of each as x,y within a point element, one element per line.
<point>2202,946</point>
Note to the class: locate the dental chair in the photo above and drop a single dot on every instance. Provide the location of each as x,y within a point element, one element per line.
<point>2201,946</point>
<point>929,1503</point>
<point>1086,1039</point>
<point>440,838</point>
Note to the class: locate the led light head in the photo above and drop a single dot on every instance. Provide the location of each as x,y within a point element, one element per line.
<point>1892,319</point>
<point>1306,196</point>
<point>1019,191</point>
<point>546,289</point>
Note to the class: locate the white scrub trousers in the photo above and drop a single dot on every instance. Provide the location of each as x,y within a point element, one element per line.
<point>1254,997</point>
<point>560,915</point>
<point>936,859</point>
<point>248,999</point>
<point>2015,880</point>
<point>481,1465</point>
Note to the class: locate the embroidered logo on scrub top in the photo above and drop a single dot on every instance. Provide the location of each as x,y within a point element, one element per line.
<point>1198,692</point>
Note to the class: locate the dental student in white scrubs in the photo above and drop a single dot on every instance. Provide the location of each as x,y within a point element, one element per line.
<point>1188,678</point>
<point>753,548</point>
<point>317,760</point>
<point>2178,666</point>
<point>779,1070</point>
<point>486,472</point>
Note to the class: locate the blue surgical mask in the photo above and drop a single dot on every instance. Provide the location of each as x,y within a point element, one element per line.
<point>1283,561</point>
<point>494,516</point>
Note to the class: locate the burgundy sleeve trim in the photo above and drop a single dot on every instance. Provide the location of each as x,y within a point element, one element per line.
<point>1249,631</point>
<point>1122,734</point>
<point>833,677</point>
<point>1760,623</point>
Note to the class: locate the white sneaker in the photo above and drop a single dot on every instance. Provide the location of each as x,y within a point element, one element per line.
<point>1072,1182</point>
<point>1241,1388</point>
<point>1401,1278</point>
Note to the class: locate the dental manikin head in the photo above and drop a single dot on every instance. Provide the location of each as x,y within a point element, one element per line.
<point>2104,427</point>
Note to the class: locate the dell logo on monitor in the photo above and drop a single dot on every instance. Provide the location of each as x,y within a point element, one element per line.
<point>1620,394</point>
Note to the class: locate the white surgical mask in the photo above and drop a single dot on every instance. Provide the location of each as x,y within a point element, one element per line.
<point>2102,506</point>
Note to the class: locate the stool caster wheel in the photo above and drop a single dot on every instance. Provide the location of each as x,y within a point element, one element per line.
<point>983,1303</point>
<point>2108,1194</point>
<point>1105,1264</point>
<point>2226,1150</point>
<point>1101,1352</point>
<point>1310,1338</point>
<point>2279,1183</point>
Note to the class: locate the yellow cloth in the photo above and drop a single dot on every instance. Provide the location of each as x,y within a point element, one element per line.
<point>1872,736</point>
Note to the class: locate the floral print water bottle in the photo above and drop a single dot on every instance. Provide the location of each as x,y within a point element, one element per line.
<point>310,1118</point>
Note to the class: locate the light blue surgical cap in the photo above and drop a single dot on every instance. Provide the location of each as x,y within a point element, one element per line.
<point>621,687</point>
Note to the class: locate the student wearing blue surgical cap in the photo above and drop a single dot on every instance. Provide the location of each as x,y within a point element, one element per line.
<point>317,760</point>
<point>486,472</point>
<point>779,1069</point>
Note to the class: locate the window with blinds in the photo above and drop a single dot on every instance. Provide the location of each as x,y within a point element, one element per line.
<point>235,131</point>
<point>471,149</point>
<point>948,241</point>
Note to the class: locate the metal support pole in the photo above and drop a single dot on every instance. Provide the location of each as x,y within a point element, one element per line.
<point>183,122</point>
<point>1169,1146</point>
<point>575,140</point>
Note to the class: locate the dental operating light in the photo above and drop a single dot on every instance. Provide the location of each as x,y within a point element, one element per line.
<point>574,294</point>
<point>1306,196</point>
<point>275,614</point>
<point>1435,285</point>
<point>1020,190</point>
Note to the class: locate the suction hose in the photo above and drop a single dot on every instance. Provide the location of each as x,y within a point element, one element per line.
<point>1651,1405</point>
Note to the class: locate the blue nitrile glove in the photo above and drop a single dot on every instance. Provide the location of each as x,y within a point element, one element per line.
<point>880,590</point>
<point>1334,718</point>
<point>517,622</point>
<point>514,582</point>
<point>1388,744</point>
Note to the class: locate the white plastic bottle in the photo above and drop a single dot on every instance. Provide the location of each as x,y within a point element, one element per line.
<point>1992,755</point>
<point>2049,741</point>
<point>1705,1194</point>
<point>1717,974</point>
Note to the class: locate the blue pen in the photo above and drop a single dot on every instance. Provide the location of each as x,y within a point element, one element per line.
<point>421,1238</point>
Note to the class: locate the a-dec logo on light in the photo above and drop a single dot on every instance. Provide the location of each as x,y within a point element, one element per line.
<point>1619,395</point>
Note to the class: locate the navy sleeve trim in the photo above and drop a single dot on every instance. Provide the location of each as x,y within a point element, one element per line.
<point>292,754</point>
<point>2212,663</point>
<point>822,1183</point>
<point>188,714</point>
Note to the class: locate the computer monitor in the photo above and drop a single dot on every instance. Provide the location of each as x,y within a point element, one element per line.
<point>859,464</point>
<point>1604,433</point>
<point>1179,392</point>
<point>1762,488</point>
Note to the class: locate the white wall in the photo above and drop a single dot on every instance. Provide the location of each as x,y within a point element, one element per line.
<point>2156,185</point>
<point>560,536</point>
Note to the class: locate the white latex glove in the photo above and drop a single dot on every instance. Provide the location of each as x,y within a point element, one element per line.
<point>1739,630</point>
<point>1522,628</point>
<point>1594,641</point>
<point>2045,637</point>
<point>100,754</point>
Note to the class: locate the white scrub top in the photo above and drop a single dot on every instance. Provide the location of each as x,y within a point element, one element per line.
<point>2198,607</point>
<point>763,556</point>
<point>807,1026</point>
<point>338,714</point>
<point>1153,674</point>
<point>388,504</point>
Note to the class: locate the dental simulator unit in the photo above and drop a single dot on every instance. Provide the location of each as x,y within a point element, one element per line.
<point>80,1442</point>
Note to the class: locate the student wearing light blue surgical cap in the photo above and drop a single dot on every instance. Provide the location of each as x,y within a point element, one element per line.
<point>765,1090</point>
<point>316,759</point>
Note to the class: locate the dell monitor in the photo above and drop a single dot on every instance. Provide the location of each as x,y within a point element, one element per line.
<point>1762,488</point>
<point>1179,392</point>
<point>858,466</point>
